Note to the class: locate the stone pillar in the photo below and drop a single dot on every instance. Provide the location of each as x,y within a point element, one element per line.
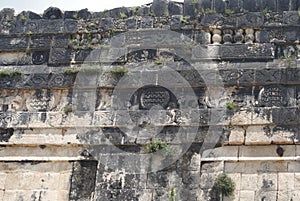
<point>160,8</point>
<point>189,8</point>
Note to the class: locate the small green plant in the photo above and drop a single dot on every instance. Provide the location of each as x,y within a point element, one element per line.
<point>196,3</point>
<point>29,33</point>
<point>158,62</point>
<point>75,16</point>
<point>119,70</point>
<point>94,69</point>
<point>135,10</point>
<point>229,12</point>
<point>86,31</point>
<point>230,105</point>
<point>9,73</point>
<point>183,20</point>
<point>123,15</point>
<point>266,10</point>
<point>71,70</point>
<point>172,194</point>
<point>153,147</point>
<point>224,185</point>
<point>23,18</point>
<point>209,11</point>
<point>151,14</point>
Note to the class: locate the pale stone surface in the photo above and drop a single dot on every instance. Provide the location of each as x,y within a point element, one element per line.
<point>237,178</point>
<point>43,181</point>
<point>249,182</point>
<point>265,195</point>
<point>294,166</point>
<point>284,195</point>
<point>237,136</point>
<point>285,181</point>
<point>256,135</point>
<point>228,152</point>
<point>233,167</point>
<point>297,181</point>
<point>247,195</point>
<point>267,181</point>
<point>241,118</point>
<point>266,151</point>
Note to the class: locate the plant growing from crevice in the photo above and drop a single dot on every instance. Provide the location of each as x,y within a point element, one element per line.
<point>123,15</point>
<point>29,33</point>
<point>266,10</point>
<point>195,3</point>
<point>155,146</point>
<point>135,10</point>
<point>229,12</point>
<point>230,105</point>
<point>158,62</point>
<point>183,20</point>
<point>209,11</point>
<point>172,194</point>
<point>224,185</point>
<point>119,70</point>
<point>10,73</point>
<point>151,14</point>
<point>84,70</point>
<point>23,18</point>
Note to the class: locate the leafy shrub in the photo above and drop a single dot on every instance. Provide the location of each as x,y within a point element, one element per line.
<point>225,185</point>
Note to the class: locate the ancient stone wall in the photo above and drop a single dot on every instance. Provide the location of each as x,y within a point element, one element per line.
<point>88,99</point>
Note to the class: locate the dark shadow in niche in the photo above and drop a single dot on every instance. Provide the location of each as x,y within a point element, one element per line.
<point>83,180</point>
<point>40,57</point>
<point>5,134</point>
<point>149,96</point>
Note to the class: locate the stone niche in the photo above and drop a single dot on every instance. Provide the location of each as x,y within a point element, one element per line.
<point>150,96</point>
<point>225,85</point>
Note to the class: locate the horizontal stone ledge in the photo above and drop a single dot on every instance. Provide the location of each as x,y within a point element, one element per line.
<point>250,159</point>
<point>41,159</point>
<point>245,52</point>
<point>252,153</point>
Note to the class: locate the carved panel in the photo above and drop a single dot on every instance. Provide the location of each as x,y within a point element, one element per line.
<point>154,96</point>
<point>40,57</point>
<point>272,96</point>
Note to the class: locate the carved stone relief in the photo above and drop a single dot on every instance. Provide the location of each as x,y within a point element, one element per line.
<point>272,96</point>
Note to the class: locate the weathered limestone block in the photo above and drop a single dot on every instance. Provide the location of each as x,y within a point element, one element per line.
<point>160,8</point>
<point>223,153</point>
<point>237,136</point>
<point>266,151</point>
<point>258,135</point>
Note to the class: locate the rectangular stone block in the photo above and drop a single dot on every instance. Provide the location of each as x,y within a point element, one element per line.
<point>267,182</point>
<point>11,43</point>
<point>248,52</point>
<point>61,41</point>
<point>294,167</point>
<point>223,153</point>
<point>18,58</point>
<point>233,167</point>
<point>59,56</point>
<point>266,151</point>
<point>266,194</point>
<point>285,181</point>
<point>253,19</point>
<point>249,182</point>
<point>237,136</point>
<point>51,26</point>
<point>40,42</point>
<point>291,17</point>
<point>283,5</point>
<point>258,135</point>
